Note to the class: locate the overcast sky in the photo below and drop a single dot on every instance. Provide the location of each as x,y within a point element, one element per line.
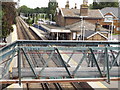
<point>44,3</point>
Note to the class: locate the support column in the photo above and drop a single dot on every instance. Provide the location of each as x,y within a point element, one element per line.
<point>19,66</point>
<point>57,36</point>
<point>107,64</point>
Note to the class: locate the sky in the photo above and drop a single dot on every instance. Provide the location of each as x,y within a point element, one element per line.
<point>44,3</point>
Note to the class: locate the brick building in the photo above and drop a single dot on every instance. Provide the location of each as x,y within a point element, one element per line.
<point>85,30</point>
<point>66,16</point>
<point>82,22</point>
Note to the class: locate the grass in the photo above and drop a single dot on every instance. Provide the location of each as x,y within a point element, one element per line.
<point>116,34</point>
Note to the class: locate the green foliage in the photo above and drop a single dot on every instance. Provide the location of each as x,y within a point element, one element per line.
<point>30,21</point>
<point>1,14</point>
<point>101,5</point>
<point>47,10</point>
<point>7,15</point>
<point>51,9</point>
<point>24,9</point>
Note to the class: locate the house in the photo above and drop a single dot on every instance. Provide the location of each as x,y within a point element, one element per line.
<point>85,30</point>
<point>66,16</point>
<point>111,19</point>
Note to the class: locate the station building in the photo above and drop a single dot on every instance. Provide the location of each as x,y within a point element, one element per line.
<point>111,19</point>
<point>66,17</point>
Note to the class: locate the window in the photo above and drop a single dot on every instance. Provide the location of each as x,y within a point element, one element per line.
<point>108,18</point>
<point>118,28</point>
<point>74,35</point>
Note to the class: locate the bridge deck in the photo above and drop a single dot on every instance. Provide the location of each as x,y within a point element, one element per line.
<point>61,72</point>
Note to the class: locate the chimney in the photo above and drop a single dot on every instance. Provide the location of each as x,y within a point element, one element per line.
<point>75,5</point>
<point>97,26</point>
<point>67,4</point>
<point>84,8</point>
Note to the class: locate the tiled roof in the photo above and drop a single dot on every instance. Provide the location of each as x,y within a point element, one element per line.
<point>76,13</point>
<point>114,10</point>
<point>53,26</point>
<point>88,33</point>
<point>88,26</point>
<point>91,33</point>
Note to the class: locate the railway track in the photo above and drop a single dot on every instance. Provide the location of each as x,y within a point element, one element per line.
<point>25,33</point>
<point>38,60</point>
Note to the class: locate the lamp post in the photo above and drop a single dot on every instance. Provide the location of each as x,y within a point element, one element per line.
<point>112,29</point>
<point>82,27</point>
<point>83,33</point>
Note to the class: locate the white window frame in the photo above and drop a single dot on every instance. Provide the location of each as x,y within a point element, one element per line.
<point>74,35</point>
<point>108,18</point>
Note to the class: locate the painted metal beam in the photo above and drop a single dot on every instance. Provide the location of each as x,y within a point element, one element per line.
<point>29,63</point>
<point>115,60</point>
<point>62,61</point>
<point>8,64</point>
<point>46,63</point>
<point>6,54</point>
<point>107,65</point>
<point>8,47</point>
<point>57,80</point>
<point>68,42</point>
<point>70,57</point>
<point>59,72</point>
<point>68,48</point>
<point>19,65</point>
<point>79,64</point>
<point>95,61</point>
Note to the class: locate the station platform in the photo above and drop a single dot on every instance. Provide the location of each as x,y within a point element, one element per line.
<point>14,87</point>
<point>10,39</point>
<point>39,32</point>
<point>13,36</point>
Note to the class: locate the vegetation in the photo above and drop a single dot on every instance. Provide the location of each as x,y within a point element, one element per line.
<point>8,18</point>
<point>26,10</point>
<point>51,9</point>
<point>47,10</point>
<point>1,14</point>
<point>101,5</point>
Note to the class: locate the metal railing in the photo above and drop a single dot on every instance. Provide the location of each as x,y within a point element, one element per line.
<point>103,60</point>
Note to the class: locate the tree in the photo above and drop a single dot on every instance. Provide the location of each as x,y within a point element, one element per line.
<point>51,9</point>
<point>1,14</point>
<point>101,5</point>
<point>8,18</point>
<point>24,9</point>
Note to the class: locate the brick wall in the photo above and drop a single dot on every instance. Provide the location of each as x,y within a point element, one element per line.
<point>69,21</point>
<point>96,37</point>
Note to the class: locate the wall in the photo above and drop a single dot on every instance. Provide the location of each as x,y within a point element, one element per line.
<point>69,21</point>
<point>96,37</point>
<point>60,19</point>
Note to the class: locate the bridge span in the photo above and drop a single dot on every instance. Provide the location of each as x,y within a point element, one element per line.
<point>94,62</point>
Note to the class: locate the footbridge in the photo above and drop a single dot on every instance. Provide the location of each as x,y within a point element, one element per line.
<point>59,61</point>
